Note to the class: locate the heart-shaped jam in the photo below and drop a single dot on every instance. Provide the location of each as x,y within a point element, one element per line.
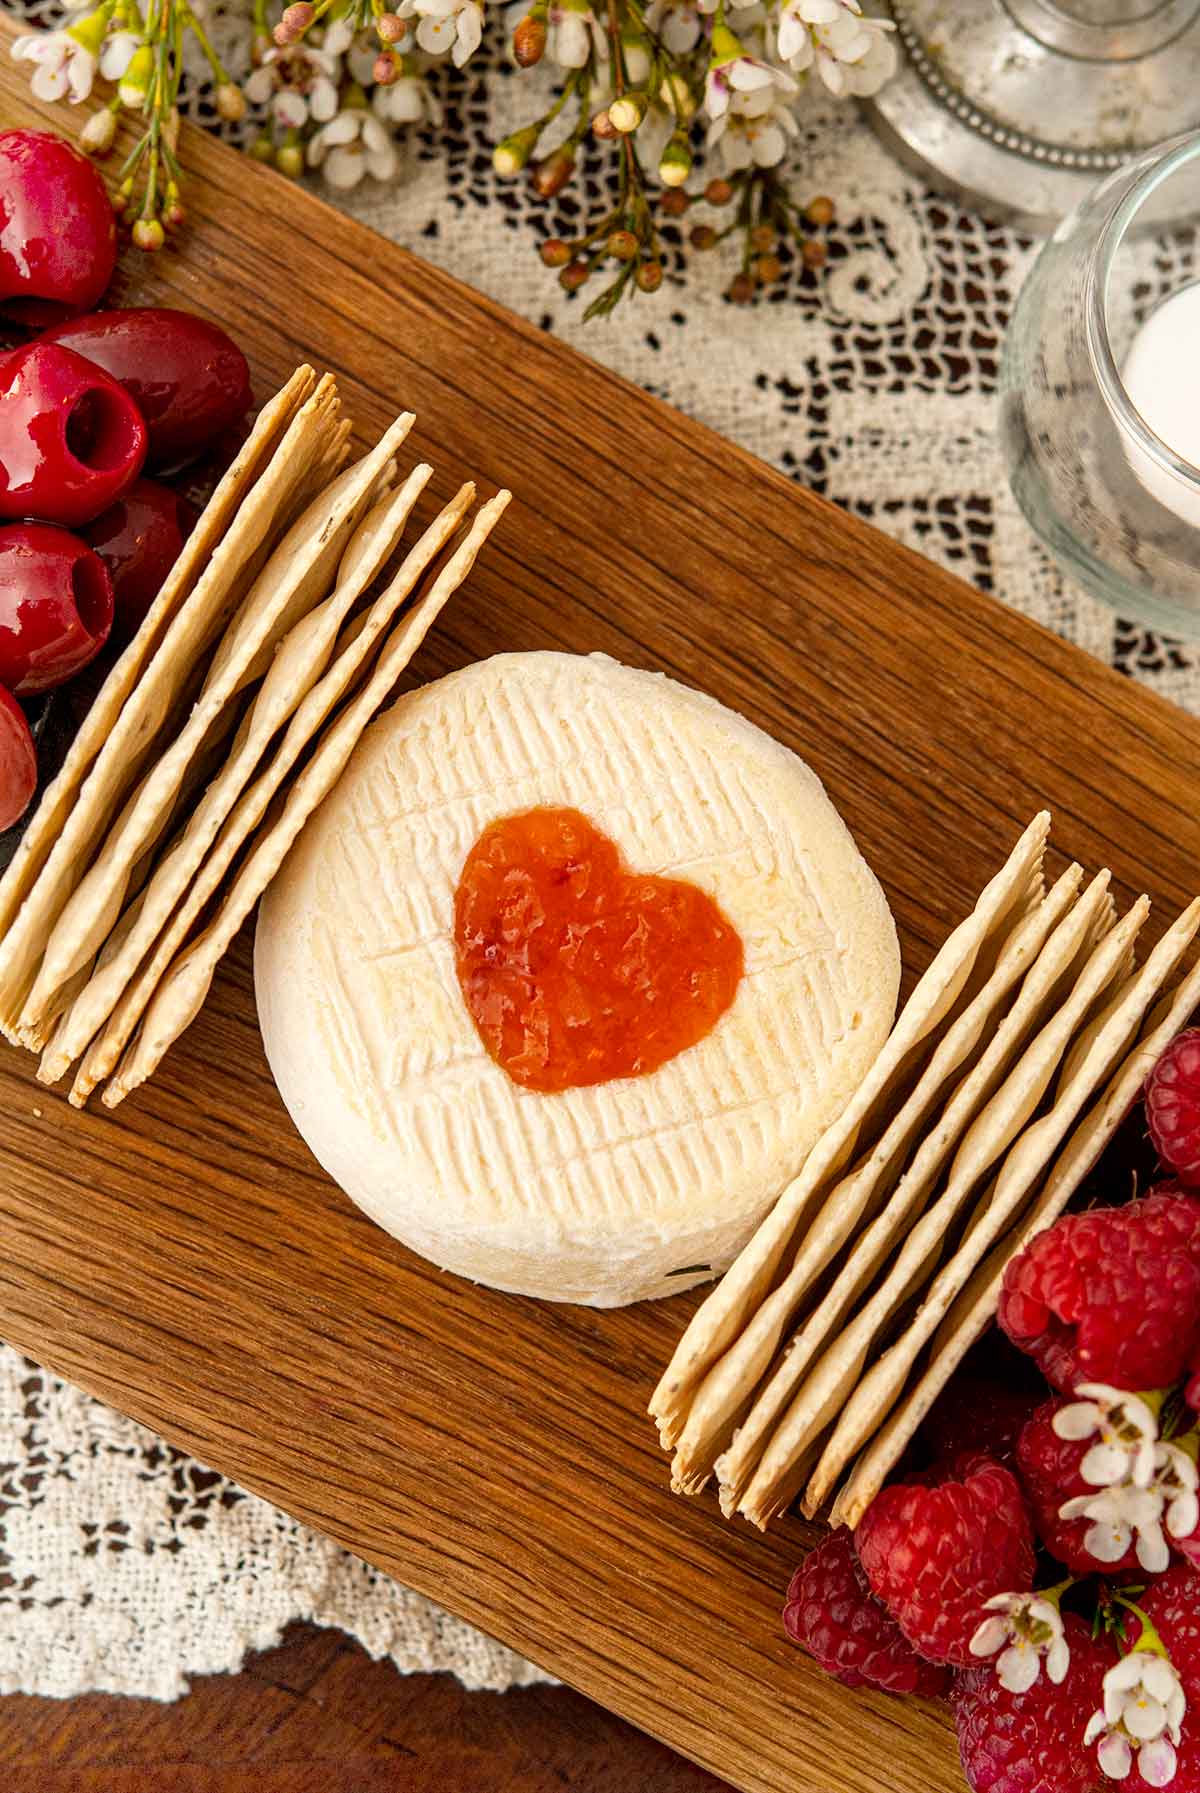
<point>576,970</point>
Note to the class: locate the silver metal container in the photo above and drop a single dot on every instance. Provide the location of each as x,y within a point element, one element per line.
<point>1018,107</point>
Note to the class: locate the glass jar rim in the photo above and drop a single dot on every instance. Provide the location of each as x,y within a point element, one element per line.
<point>1168,157</point>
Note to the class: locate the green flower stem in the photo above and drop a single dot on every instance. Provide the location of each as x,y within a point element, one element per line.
<point>1149,1642</point>
<point>188,18</point>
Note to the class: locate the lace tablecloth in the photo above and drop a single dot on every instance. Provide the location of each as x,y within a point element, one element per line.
<point>125,1566</point>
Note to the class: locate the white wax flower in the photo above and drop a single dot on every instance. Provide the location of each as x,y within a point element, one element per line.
<point>350,146</point>
<point>298,83</point>
<point>1144,1706</point>
<point>446,25</point>
<point>1126,1429</point>
<point>64,62</point>
<point>1023,1632</point>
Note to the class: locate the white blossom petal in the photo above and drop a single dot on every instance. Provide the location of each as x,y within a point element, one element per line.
<point>768,146</point>
<point>50,81</point>
<point>1116,1757</point>
<point>1017,1667</point>
<point>343,168</point>
<point>259,86</point>
<point>1157,1762</point>
<point>323,100</point>
<point>990,1636</point>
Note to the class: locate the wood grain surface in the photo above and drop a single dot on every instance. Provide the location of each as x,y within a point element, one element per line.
<point>315,1715</point>
<point>186,1260</point>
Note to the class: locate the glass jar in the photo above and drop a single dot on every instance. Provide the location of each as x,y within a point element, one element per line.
<point>1117,503</point>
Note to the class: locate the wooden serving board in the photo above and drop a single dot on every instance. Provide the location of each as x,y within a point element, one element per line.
<point>185,1259</point>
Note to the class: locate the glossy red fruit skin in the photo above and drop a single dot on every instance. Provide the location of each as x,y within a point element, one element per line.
<point>18,761</point>
<point>71,438</point>
<point>58,237</point>
<point>189,381</point>
<point>139,539</point>
<point>56,607</point>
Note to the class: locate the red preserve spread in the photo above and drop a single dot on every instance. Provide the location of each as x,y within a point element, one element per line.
<point>575,969</point>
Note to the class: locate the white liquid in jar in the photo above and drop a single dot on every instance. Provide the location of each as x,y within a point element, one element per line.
<point>1162,378</point>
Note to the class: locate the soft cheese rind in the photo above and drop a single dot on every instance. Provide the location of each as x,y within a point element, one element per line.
<point>622,1191</point>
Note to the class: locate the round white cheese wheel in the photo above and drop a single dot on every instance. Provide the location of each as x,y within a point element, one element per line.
<point>623,1190</point>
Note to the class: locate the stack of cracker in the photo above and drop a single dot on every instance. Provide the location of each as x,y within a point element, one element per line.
<point>280,632</point>
<point>809,1368</point>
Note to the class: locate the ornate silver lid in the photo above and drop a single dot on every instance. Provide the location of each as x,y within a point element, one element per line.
<point>1018,107</point>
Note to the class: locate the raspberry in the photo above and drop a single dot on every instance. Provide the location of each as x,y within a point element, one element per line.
<point>832,1614</point>
<point>1049,1470</point>
<point>1172,1604</point>
<point>1173,1106</point>
<point>936,1550</point>
<point>1033,1742</point>
<point>978,1417</point>
<point>1112,1295</point>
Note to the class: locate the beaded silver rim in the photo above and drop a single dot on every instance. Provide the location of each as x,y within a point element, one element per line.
<point>1018,143</point>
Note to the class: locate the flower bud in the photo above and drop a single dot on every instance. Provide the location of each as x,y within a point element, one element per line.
<point>676,162</point>
<point>622,244</point>
<point>148,234</point>
<point>132,87</point>
<point>289,159</point>
<point>704,237</point>
<point>603,128</point>
<point>813,255</point>
<point>767,269</point>
<point>763,238</point>
<point>390,27</point>
<point>649,276</point>
<point>626,113</point>
<point>510,156</point>
<point>384,70</point>
<point>573,277</point>
<point>819,212</point>
<point>551,175</point>
<point>174,215</point>
<point>122,196</point>
<point>231,102</point>
<point>529,39</point>
<point>99,133</point>
<point>674,202</point>
<point>677,96</point>
<point>741,290</point>
<point>555,253</point>
<point>295,22</point>
<point>262,149</point>
<point>718,192</point>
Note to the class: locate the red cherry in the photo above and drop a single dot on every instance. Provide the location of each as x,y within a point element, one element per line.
<point>18,761</point>
<point>56,606</point>
<point>71,439</point>
<point>138,539</point>
<point>188,380</point>
<point>58,238</point>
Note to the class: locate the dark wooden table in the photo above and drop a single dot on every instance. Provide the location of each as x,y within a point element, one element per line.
<point>317,1715</point>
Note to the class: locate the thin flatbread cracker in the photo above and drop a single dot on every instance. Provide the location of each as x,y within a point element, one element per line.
<point>877,1394</point>
<point>300,660</point>
<point>304,562</point>
<point>354,648</point>
<point>975,1307</point>
<point>830,1384</point>
<point>131,736</point>
<point>50,816</point>
<point>1041,949</point>
<point>726,1401</point>
<point>181,993</point>
<point>741,1291</point>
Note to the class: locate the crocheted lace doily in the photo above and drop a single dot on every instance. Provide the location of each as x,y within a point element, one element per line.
<point>125,1566</point>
